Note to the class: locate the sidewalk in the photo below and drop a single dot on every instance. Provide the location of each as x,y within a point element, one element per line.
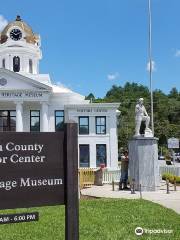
<point>171,200</point>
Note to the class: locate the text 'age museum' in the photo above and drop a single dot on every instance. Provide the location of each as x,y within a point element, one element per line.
<point>29,102</point>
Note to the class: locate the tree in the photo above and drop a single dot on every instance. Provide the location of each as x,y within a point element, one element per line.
<point>166,111</point>
<point>90,97</point>
<point>174,93</point>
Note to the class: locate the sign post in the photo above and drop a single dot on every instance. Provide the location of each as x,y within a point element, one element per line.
<point>71,191</point>
<point>40,169</point>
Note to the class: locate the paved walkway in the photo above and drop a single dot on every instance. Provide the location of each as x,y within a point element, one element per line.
<point>171,200</point>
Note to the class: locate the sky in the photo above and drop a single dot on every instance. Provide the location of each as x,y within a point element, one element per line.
<point>90,45</point>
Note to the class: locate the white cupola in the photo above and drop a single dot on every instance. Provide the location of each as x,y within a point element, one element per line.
<point>20,48</point>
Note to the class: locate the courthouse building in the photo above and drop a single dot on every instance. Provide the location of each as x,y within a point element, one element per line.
<point>29,102</point>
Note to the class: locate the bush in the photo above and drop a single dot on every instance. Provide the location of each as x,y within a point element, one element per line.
<point>170,177</point>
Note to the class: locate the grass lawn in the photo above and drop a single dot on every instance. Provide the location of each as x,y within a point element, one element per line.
<point>100,219</point>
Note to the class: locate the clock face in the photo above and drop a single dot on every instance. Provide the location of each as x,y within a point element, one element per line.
<point>16,34</point>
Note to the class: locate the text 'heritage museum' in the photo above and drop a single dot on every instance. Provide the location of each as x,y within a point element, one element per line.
<point>29,102</point>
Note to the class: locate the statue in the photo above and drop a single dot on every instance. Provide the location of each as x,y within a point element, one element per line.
<point>142,115</point>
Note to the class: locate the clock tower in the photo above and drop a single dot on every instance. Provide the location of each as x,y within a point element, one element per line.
<point>20,48</point>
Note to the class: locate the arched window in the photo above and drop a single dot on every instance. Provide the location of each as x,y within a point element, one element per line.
<point>16,64</point>
<point>3,63</point>
<point>30,66</point>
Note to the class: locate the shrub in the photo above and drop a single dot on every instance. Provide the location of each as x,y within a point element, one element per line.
<point>170,177</point>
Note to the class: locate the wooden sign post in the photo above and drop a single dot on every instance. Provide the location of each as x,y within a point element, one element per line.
<point>71,191</point>
<point>41,169</point>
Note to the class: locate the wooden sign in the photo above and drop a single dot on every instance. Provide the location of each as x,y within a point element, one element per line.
<point>31,169</point>
<point>39,169</point>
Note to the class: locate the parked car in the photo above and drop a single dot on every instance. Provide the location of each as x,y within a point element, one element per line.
<point>161,157</point>
<point>177,157</point>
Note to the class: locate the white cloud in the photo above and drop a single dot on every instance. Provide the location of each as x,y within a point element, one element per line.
<point>177,53</point>
<point>153,64</point>
<point>113,76</point>
<point>3,22</point>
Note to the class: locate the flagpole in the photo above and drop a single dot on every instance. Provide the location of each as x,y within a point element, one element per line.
<point>150,65</point>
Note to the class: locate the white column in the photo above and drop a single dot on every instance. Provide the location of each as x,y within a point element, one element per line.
<point>34,66</point>
<point>113,141</point>
<point>92,151</point>
<point>44,117</point>
<point>9,62</point>
<point>19,116</point>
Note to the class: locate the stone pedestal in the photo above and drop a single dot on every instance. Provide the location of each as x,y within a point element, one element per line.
<point>143,163</point>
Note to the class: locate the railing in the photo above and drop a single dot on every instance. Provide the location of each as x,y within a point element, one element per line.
<point>86,177</point>
<point>175,170</point>
<point>111,175</point>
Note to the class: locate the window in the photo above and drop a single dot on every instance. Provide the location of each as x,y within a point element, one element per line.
<point>35,121</point>
<point>30,66</point>
<point>100,154</point>
<point>83,125</point>
<point>7,121</point>
<point>100,125</point>
<point>16,64</point>
<point>84,155</point>
<point>59,120</point>
<point>3,63</point>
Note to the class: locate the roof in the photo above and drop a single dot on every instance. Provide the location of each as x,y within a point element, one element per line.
<point>25,79</point>
<point>30,36</point>
<point>114,105</point>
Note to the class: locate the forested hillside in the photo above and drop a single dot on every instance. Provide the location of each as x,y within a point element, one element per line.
<point>166,110</point>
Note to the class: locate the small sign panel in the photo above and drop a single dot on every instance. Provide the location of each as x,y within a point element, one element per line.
<point>31,169</point>
<point>19,218</point>
<point>173,143</point>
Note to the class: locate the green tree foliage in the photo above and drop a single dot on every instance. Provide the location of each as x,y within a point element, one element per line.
<point>166,111</point>
<point>174,93</point>
<point>90,97</point>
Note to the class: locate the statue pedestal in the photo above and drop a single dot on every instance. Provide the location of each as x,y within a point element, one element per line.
<point>143,163</point>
